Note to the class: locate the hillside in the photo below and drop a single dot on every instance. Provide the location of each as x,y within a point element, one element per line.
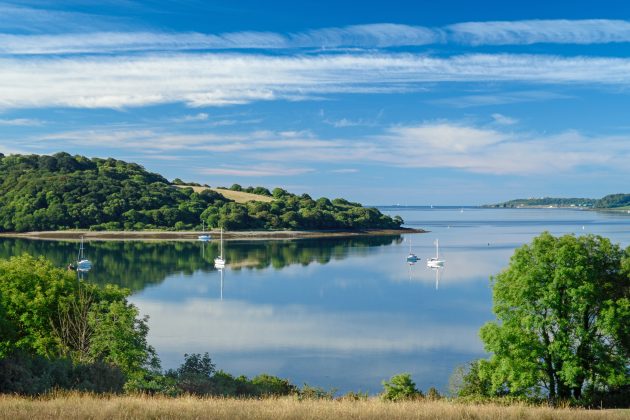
<point>237,196</point>
<point>546,202</point>
<point>612,201</point>
<point>40,193</point>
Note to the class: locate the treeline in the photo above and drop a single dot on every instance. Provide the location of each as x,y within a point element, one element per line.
<point>58,192</point>
<point>610,201</point>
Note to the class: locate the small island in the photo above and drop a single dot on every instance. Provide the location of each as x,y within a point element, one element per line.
<point>64,196</point>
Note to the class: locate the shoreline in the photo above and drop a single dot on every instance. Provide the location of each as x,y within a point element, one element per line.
<point>158,235</point>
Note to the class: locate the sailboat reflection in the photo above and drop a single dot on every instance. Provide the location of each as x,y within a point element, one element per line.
<point>437,276</point>
<point>221,273</point>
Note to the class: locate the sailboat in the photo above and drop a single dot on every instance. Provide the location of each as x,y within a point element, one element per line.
<point>412,258</point>
<point>435,262</point>
<point>219,262</point>
<point>83,264</point>
<point>204,236</point>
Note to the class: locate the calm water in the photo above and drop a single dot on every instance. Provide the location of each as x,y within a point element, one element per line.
<point>344,313</point>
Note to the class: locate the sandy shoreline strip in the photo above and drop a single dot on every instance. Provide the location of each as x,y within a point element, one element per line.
<point>160,235</point>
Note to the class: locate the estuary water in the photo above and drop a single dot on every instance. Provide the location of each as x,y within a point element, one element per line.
<point>336,313</point>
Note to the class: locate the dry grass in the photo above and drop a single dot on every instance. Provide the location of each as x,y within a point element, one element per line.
<point>238,196</point>
<point>75,406</point>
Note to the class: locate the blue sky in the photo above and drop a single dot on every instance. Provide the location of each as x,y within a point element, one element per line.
<point>410,102</point>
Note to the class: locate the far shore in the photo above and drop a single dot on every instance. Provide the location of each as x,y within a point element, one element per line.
<point>161,235</point>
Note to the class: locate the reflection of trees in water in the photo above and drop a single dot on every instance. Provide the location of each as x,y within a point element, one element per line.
<point>136,265</point>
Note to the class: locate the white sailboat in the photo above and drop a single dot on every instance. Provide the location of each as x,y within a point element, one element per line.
<point>412,258</point>
<point>219,262</point>
<point>204,236</point>
<point>83,264</point>
<point>435,262</point>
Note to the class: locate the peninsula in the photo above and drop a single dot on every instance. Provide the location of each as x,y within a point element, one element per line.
<point>64,196</point>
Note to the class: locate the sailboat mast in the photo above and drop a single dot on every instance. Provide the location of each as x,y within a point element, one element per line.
<point>437,249</point>
<point>221,243</point>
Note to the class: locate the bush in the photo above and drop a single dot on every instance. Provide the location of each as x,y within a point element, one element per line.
<point>26,374</point>
<point>400,387</point>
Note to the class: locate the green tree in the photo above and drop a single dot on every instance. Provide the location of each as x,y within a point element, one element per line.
<point>400,387</point>
<point>563,310</point>
<point>46,311</point>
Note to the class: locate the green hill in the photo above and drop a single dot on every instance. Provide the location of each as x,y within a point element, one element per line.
<point>612,201</point>
<point>39,192</point>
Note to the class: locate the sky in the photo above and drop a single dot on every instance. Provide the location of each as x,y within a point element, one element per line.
<point>382,102</point>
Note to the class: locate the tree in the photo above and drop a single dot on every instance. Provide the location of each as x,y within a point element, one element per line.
<point>46,311</point>
<point>563,310</point>
<point>400,387</point>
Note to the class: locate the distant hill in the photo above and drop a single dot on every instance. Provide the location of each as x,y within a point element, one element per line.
<point>612,201</point>
<point>39,193</point>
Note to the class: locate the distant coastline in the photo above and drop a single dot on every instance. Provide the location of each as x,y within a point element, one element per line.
<point>192,235</point>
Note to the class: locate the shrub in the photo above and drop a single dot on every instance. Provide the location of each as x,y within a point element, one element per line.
<point>400,387</point>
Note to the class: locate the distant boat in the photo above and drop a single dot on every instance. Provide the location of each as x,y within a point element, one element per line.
<point>219,262</point>
<point>83,264</point>
<point>435,262</point>
<point>204,236</point>
<point>461,210</point>
<point>412,258</point>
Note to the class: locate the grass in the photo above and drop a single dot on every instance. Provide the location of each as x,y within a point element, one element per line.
<point>238,196</point>
<point>81,406</point>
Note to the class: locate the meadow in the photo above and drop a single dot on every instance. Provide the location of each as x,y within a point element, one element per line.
<point>89,406</point>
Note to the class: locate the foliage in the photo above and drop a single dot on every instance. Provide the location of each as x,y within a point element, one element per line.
<point>613,201</point>
<point>400,387</point>
<point>563,309</point>
<point>22,373</point>
<point>48,312</point>
<point>308,392</point>
<point>466,381</point>
<point>63,192</point>
<point>198,376</point>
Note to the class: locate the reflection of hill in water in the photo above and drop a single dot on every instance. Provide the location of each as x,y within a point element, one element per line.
<point>135,264</point>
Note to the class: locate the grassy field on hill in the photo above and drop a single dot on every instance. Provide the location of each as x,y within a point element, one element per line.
<point>238,196</point>
<point>75,406</point>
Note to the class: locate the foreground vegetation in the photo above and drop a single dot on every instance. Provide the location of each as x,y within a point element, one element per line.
<point>77,406</point>
<point>58,192</point>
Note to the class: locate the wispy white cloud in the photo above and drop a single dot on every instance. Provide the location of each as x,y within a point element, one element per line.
<point>346,122</point>
<point>503,119</point>
<point>23,122</point>
<point>500,98</point>
<point>345,171</point>
<point>560,31</point>
<point>255,171</point>
<point>38,39</point>
<point>41,20</point>
<point>434,144</point>
<point>225,79</point>
<point>358,36</point>
<point>202,116</point>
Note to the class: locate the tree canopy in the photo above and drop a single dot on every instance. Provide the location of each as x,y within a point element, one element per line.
<point>61,191</point>
<point>48,312</point>
<point>563,319</point>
